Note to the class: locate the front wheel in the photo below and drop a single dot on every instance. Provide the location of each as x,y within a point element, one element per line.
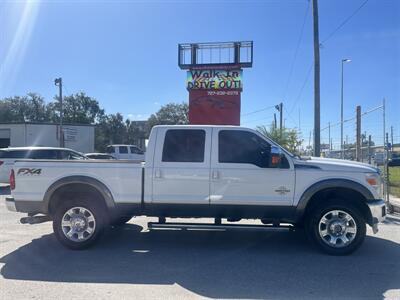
<point>337,229</point>
<point>78,224</point>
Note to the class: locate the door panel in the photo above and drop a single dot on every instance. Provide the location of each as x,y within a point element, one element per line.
<point>246,183</point>
<point>181,171</point>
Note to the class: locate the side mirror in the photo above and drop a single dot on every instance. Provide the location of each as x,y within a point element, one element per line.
<point>275,157</point>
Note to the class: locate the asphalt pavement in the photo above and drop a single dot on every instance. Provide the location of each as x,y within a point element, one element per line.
<point>134,263</point>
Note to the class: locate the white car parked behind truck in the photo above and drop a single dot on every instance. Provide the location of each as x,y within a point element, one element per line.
<point>129,152</point>
<point>9,155</point>
<point>203,171</point>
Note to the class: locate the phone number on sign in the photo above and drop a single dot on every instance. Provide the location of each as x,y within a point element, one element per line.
<point>223,93</point>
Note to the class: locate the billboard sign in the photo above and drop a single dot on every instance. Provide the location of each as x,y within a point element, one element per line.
<point>214,79</point>
<point>214,107</point>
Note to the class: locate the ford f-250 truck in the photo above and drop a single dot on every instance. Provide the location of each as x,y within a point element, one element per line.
<point>203,171</point>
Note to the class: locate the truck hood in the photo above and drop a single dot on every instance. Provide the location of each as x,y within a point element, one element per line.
<point>333,164</point>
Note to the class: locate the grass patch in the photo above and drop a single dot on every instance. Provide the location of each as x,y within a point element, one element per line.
<point>394,179</point>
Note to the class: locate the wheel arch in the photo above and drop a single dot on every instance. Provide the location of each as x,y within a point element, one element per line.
<point>90,185</point>
<point>324,190</point>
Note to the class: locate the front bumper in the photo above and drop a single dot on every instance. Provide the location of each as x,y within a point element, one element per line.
<point>378,212</point>
<point>10,204</point>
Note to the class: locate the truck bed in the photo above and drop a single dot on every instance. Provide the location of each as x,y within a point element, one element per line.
<point>122,178</point>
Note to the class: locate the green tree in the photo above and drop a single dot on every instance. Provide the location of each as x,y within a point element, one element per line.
<point>29,108</point>
<point>77,108</point>
<point>169,114</point>
<point>134,132</point>
<point>288,139</point>
<point>110,129</point>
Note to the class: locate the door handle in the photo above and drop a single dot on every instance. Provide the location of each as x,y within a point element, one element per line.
<point>157,173</point>
<point>215,174</point>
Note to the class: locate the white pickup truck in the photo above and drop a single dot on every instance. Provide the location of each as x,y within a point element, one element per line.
<point>203,171</point>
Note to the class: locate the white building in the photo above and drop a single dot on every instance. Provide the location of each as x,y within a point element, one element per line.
<point>79,137</point>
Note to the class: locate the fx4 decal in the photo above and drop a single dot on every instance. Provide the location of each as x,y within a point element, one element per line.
<point>28,171</point>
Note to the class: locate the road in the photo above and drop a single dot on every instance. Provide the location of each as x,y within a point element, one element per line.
<point>135,263</point>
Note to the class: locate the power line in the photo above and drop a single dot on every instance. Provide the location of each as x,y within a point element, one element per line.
<point>297,49</point>
<point>257,120</point>
<point>257,111</point>
<point>344,22</point>
<point>290,116</point>
<point>353,118</point>
<point>302,87</point>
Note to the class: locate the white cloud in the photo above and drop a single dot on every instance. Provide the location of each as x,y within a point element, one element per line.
<point>137,117</point>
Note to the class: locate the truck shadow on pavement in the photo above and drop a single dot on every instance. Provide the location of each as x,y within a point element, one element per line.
<point>231,264</point>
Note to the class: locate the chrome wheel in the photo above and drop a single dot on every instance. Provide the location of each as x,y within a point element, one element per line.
<point>78,224</point>
<point>337,228</point>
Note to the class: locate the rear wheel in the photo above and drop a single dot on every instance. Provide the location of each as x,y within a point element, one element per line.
<point>77,224</point>
<point>337,228</point>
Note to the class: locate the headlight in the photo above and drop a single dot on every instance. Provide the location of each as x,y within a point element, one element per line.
<point>374,180</point>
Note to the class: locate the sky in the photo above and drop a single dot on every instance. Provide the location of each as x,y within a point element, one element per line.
<point>124,54</point>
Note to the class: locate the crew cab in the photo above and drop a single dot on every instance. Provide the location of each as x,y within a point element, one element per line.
<point>204,171</point>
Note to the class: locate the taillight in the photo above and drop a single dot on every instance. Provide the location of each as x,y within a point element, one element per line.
<point>12,180</point>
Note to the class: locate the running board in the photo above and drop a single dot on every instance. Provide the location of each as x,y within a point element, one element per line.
<point>208,226</point>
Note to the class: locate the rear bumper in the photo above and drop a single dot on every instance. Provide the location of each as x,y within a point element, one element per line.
<point>32,207</point>
<point>378,212</point>
<point>10,204</point>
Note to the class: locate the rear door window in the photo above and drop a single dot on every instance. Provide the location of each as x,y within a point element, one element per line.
<point>184,145</point>
<point>123,150</point>
<point>43,154</point>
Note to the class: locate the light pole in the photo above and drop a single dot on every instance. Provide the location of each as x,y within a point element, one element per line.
<point>341,113</point>
<point>58,82</point>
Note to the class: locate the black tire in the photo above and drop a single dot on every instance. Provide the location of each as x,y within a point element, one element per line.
<point>313,227</point>
<point>121,221</point>
<point>98,212</point>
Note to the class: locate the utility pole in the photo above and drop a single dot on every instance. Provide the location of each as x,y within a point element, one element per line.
<point>384,145</point>
<point>58,82</point>
<point>341,109</point>
<point>329,134</point>
<point>358,133</point>
<point>279,108</point>
<point>384,122</point>
<point>274,120</point>
<point>387,170</point>
<point>363,141</point>
<point>317,128</point>
<point>391,136</point>
<point>280,117</point>
<point>369,149</point>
